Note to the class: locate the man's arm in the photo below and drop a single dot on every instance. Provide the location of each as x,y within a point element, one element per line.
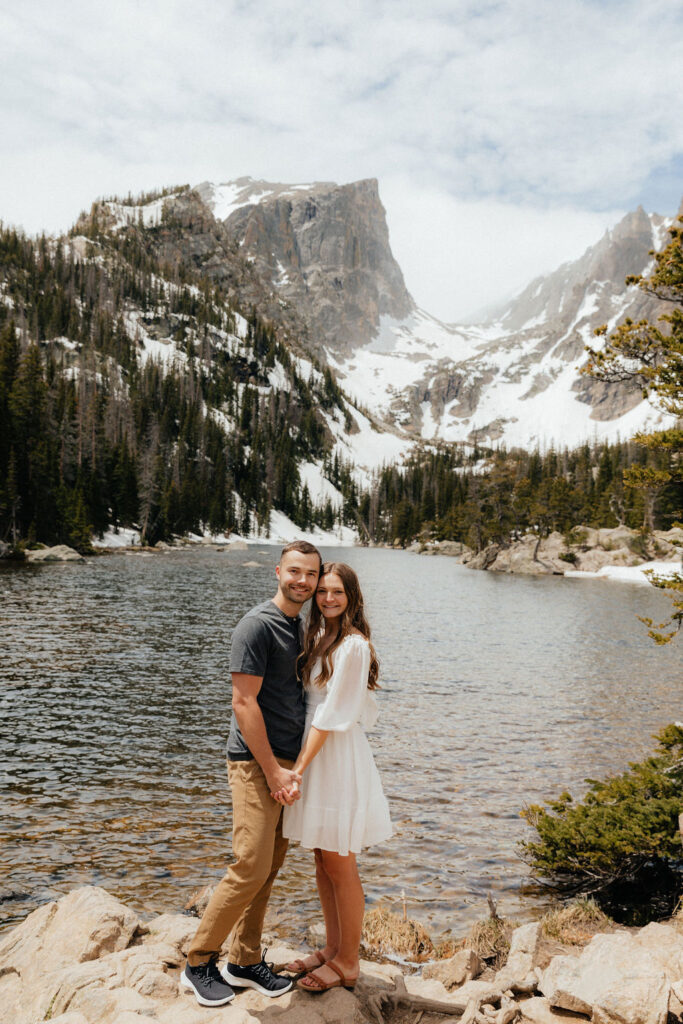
<point>245,690</point>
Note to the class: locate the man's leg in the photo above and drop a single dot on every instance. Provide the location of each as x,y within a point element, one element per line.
<point>256,822</point>
<point>245,945</point>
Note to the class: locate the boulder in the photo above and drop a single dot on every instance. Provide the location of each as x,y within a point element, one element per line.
<point>458,969</point>
<point>618,537</point>
<point>618,977</point>
<point>63,936</point>
<point>523,955</point>
<point>72,1017</point>
<point>519,557</point>
<point>539,1011</point>
<point>483,559</point>
<point>59,553</point>
<point>674,536</point>
<point>597,558</point>
<point>238,545</point>
<point>173,929</point>
<point>316,935</point>
<point>79,927</point>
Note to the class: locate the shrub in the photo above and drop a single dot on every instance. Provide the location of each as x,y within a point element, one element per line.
<point>625,826</point>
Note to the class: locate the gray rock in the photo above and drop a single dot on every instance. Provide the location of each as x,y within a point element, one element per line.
<point>618,977</point>
<point>456,970</point>
<point>238,545</point>
<point>538,1010</point>
<point>524,947</point>
<point>316,936</point>
<point>59,553</point>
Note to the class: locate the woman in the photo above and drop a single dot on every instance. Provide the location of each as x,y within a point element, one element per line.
<point>342,806</point>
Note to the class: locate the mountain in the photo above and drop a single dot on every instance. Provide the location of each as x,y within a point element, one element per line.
<point>319,257</point>
<point>323,247</point>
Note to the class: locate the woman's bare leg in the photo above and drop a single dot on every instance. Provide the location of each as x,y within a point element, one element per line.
<point>328,904</point>
<point>342,873</point>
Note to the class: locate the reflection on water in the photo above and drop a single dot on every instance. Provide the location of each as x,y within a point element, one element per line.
<point>497,691</point>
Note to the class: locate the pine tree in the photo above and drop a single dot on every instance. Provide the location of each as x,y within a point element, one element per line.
<point>651,358</point>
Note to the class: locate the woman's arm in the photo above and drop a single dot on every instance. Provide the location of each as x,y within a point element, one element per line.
<point>312,746</point>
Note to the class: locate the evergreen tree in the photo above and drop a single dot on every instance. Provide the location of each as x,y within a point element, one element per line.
<point>650,357</point>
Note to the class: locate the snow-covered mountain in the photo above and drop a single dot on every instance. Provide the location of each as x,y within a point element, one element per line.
<point>324,250</point>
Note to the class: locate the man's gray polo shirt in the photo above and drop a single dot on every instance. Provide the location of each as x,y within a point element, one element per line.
<point>267,643</point>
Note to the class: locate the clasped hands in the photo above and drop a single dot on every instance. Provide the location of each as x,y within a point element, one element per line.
<point>285,787</point>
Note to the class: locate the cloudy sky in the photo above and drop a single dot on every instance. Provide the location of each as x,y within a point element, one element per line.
<point>506,136</point>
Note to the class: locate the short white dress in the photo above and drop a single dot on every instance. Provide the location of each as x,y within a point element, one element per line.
<point>342,807</point>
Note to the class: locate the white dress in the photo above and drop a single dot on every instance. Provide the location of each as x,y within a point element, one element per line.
<point>342,807</point>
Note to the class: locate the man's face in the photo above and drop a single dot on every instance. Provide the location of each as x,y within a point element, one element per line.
<point>298,576</point>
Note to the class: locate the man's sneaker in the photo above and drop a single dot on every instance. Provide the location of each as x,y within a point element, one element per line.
<point>209,987</point>
<point>258,976</point>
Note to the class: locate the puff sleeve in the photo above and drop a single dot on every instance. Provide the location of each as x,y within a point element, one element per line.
<point>347,688</point>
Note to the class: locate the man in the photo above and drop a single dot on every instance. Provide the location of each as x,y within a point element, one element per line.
<point>268,717</point>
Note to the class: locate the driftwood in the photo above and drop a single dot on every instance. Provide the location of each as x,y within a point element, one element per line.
<point>470,1012</point>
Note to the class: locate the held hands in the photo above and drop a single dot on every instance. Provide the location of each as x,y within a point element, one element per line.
<point>284,785</point>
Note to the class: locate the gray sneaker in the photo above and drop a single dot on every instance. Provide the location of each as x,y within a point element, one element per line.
<point>258,976</point>
<point>205,981</point>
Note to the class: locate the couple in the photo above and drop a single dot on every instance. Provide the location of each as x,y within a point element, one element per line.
<point>299,767</point>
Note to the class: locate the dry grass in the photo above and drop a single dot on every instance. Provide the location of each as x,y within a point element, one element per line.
<point>490,939</point>
<point>576,923</point>
<point>386,932</point>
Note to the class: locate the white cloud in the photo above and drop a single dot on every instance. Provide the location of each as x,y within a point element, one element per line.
<point>542,115</point>
<point>494,249</point>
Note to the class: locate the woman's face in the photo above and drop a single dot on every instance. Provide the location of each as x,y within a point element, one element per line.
<point>330,597</point>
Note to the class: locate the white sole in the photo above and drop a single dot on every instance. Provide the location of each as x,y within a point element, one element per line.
<point>244,983</point>
<point>185,983</point>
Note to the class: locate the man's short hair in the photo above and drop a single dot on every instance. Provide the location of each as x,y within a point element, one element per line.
<point>304,547</point>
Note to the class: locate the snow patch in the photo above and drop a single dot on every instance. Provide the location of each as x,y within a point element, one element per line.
<point>630,574</point>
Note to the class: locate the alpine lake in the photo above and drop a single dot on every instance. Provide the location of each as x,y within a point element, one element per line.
<point>497,691</point>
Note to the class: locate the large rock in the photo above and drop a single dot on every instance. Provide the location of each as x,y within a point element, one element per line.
<point>538,1010</point>
<point>619,977</point>
<point>523,955</point>
<point>456,970</point>
<point>59,553</point>
<point>174,929</point>
<point>79,927</point>
<point>527,557</point>
<point>58,937</point>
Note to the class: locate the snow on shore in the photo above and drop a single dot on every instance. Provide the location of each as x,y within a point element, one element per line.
<point>630,574</point>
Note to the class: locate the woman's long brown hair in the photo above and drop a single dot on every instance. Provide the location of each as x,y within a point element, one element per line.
<point>352,617</point>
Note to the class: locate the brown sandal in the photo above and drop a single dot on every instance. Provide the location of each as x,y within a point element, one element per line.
<point>319,986</point>
<point>299,967</point>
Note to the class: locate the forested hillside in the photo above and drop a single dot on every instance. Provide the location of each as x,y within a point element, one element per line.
<point>131,393</point>
<point>492,496</point>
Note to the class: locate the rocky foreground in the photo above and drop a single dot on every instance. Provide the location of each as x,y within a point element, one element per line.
<point>88,959</point>
<point>584,549</point>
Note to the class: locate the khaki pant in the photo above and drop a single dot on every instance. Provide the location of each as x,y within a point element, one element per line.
<point>239,901</point>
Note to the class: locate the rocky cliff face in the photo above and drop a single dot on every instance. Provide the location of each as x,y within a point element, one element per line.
<point>323,248</point>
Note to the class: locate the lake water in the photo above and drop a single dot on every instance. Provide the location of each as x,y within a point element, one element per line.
<point>498,691</point>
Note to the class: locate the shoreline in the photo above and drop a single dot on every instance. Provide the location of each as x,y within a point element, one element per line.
<point>619,554</point>
<point>88,959</point>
